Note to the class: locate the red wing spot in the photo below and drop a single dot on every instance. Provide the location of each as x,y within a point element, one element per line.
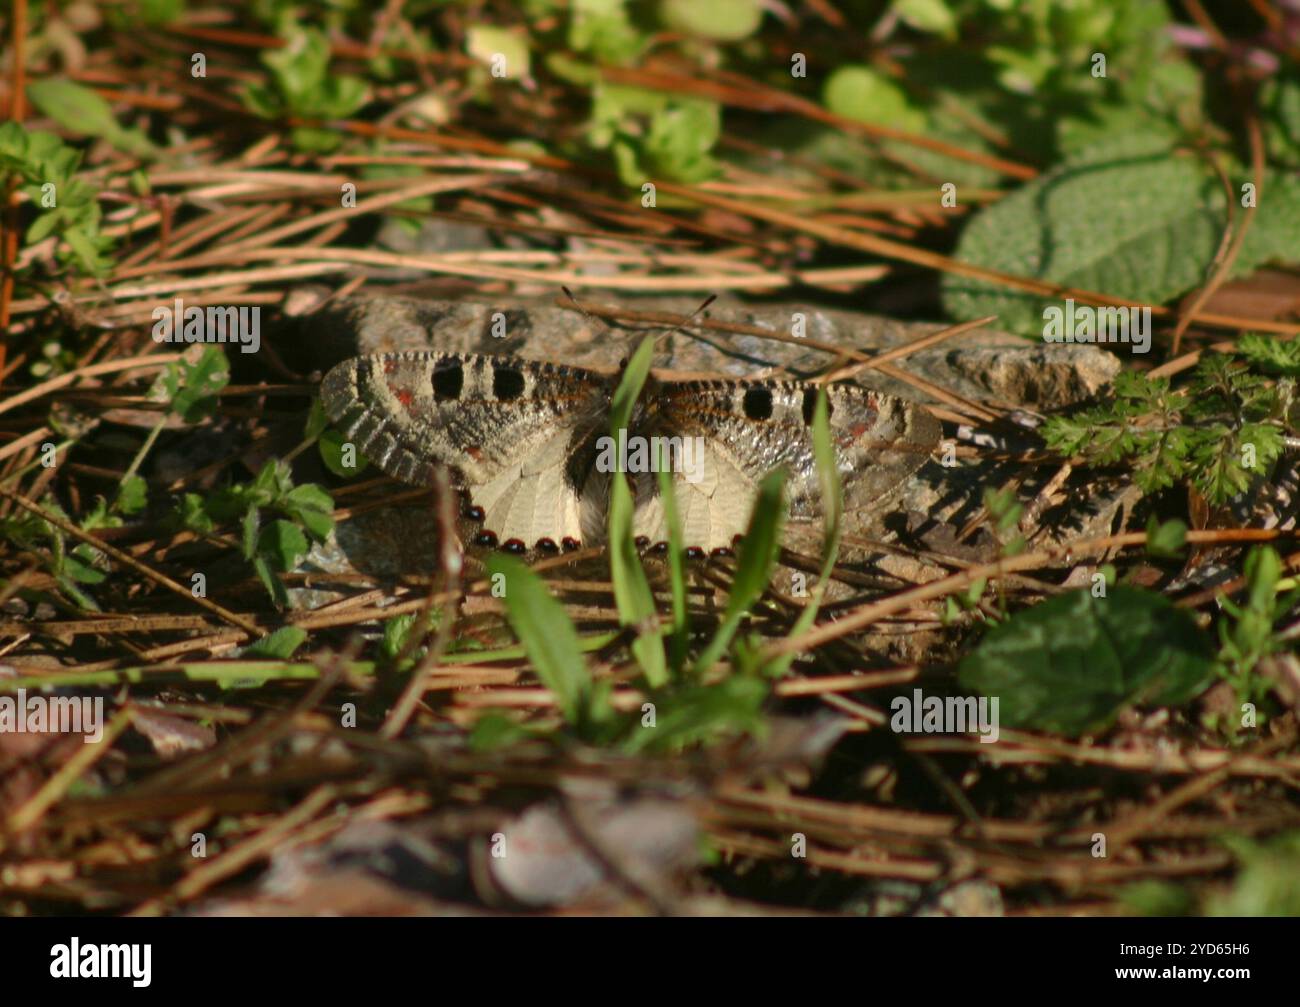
<point>390,366</point>
<point>404,396</point>
<point>475,453</point>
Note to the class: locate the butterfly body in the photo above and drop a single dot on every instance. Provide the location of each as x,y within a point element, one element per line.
<point>531,443</point>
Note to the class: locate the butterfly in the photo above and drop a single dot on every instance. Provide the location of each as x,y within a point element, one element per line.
<point>531,445</point>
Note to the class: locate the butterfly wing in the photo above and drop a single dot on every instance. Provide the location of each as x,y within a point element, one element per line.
<point>743,430</point>
<point>513,429</point>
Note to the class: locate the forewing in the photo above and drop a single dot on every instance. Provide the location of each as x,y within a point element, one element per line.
<point>749,428</point>
<point>513,430</point>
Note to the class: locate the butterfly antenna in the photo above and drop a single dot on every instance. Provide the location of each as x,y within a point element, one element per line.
<point>690,319</point>
<point>593,319</point>
<point>679,327</point>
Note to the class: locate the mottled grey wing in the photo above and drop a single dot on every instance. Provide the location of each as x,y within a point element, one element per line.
<point>513,429</point>
<point>750,428</point>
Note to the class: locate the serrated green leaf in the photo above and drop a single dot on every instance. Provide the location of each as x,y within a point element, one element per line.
<point>310,505</point>
<point>1153,224</point>
<point>283,544</point>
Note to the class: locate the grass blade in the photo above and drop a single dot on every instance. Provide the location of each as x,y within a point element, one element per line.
<point>679,634</point>
<point>828,475</point>
<point>632,594</point>
<point>549,638</point>
<point>754,565</point>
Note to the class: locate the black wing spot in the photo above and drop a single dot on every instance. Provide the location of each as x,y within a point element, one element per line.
<point>514,545</point>
<point>758,403</point>
<point>507,383</point>
<point>810,405</point>
<point>486,538</point>
<point>548,546</point>
<point>448,380</point>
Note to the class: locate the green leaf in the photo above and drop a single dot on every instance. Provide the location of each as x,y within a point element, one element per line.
<point>311,506</point>
<point>548,636</point>
<point>629,386</point>
<point>828,478</point>
<point>932,16</point>
<point>1072,663</point>
<point>1158,898</point>
<point>279,645</point>
<point>249,527</point>
<point>1167,540</point>
<point>1271,354</point>
<point>194,514</point>
<point>495,731</point>
<point>318,420</point>
<point>754,564</point>
<point>79,566</point>
<point>487,42</point>
<point>632,595</point>
<point>1267,881</point>
<point>702,713</point>
<point>679,636</point>
<point>397,631</point>
<point>190,385</point>
<point>132,496</point>
<point>1153,225</point>
<point>270,581</point>
<point>717,20</point>
<point>331,452</point>
<point>1280,102</point>
<point>603,29</point>
<point>859,92</point>
<point>83,112</point>
<point>283,544</point>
